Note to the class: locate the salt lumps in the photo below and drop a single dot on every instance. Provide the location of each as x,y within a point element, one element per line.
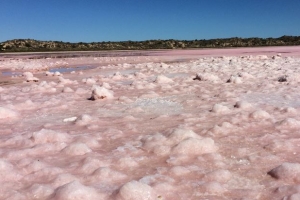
<point>75,191</point>
<point>289,123</point>
<point>243,105</point>
<point>135,190</point>
<point>234,79</point>
<point>101,93</point>
<point>220,175</point>
<point>77,149</point>
<point>287,171</point>
<point>178,135</point>
<point>259,115</point>
<point>7,113</point>
<point>206,77</point>
<point>29,77</point>
<point>46,136</point>
<point>163,79</point>
<point>193,146</point>
<point>218,108</point>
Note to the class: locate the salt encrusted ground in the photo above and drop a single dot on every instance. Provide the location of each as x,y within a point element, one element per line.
<point>174,125</point>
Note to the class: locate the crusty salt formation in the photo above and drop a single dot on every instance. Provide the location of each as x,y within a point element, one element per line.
<point>146,137</point>
<point>135,190</point>
<point>6,113</point>
<point>287,171</point>
<point>29,77</point>
<point>101,93</point>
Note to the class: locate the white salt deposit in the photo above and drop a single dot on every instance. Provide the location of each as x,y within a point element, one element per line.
<point>101,93</point>
<point>287,171</point>
<point>7,113</point>
<point>152,132</point>
<point>135,190</point>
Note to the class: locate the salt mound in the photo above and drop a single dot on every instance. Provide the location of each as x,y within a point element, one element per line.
<point>7,113</point>
<point>29,77</point>
<point>295,196</point>
<point>83,120</point>
<point>220,175</point>
<point>38,191</point>
<point>287,171</point>
<point>218,108</point>
<point>135,190</point>
<point>179,171</point>
<point>75,191</point>
<point>289,123</point>
<point>48,136</point>
<point>89,81</point>
<point>77,149</point>
<point>260,114</point>
<point>101,93</point>
<point>193,146</point>
<point>206,77</point>
<point>67,90</point>
<point>181,134</point>
<point>213,188</point>
<point>243,105</point>
<point>163,79</point>
<point>106,174</point>
<point>234,79</point>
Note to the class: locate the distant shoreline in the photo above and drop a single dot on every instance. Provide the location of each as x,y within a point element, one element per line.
<point>270,50</point>
<point>31,45</point>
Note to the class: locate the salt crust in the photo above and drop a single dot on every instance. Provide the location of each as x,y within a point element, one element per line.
<point>101,93</point>
<point>77,149</point>
<point>7,113</point>
<point>287,171</point>
<point>163,79</point>
<point>75,191</point>
<point>135,190</point>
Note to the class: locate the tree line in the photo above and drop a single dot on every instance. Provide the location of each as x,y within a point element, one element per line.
<point>30,45</point>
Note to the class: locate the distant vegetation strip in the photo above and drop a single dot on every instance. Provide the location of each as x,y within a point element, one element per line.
<point>30,45</point>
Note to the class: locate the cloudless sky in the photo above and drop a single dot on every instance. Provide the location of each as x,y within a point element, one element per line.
<point>136,20</point>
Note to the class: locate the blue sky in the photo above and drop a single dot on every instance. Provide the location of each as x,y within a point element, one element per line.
<point>136,20</point>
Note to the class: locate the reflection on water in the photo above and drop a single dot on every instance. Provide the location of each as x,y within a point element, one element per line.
<point>57,69</point>
<point>70,69</point>
<point>10,73</point>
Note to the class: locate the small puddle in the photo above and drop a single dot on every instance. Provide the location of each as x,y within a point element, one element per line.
<point>70,69</point>
<point>10,73</point>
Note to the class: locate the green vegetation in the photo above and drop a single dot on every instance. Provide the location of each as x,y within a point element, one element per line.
<point>30,45</point>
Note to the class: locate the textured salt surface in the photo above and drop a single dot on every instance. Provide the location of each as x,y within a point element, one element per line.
<point>140,128</point>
